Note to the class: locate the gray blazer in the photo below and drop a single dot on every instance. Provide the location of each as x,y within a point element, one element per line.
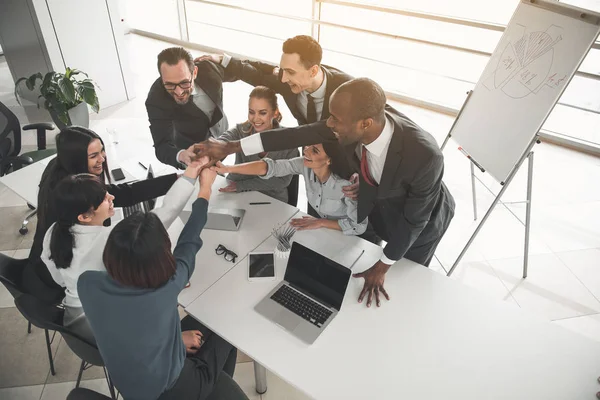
<point>275,187</point>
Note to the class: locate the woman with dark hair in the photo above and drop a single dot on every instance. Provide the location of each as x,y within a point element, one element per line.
<point>263,114</point>
<point>75,242</point>
<point>132,309</point>
<point>325,170</point>
<point>79,150</point>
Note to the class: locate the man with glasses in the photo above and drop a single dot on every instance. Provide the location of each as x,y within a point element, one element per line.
<point>184,105</point>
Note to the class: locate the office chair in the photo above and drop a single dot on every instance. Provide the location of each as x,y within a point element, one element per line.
<point>50,317</point>
<point>292,190</point>
<point>11,276</point>
<point>10,147</point>
<point>85,394</point>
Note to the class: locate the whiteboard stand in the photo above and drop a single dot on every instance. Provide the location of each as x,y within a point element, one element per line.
<point>528,154</point>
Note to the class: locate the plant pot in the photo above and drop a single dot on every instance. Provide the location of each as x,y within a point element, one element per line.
<point>79,115</point>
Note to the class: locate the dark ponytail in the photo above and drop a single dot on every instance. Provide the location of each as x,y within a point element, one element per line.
<point>73,196</point>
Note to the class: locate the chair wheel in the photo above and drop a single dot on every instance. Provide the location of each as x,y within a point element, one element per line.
<point>30,206</point>
<point>23,231</point>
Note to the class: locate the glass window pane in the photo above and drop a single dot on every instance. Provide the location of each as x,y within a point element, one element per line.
<point>243,21</point>
<point>498,12</point>
<point>298,8</point>
<point>159,16</point>
<point>574,123</point>
<point>418,28</point>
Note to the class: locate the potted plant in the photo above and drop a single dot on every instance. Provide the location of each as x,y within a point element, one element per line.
<point>65,96</point>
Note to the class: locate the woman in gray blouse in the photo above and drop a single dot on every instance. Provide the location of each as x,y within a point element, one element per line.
<point>326,171</point>
<point>263,114</point>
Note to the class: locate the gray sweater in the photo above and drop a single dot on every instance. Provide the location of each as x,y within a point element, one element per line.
<point>138,330</point>
<point>275,187</point>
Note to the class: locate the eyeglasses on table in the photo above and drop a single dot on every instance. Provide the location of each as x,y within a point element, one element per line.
<point>226,253</point>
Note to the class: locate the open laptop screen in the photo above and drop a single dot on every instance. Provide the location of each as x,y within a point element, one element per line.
<point>316,275</point>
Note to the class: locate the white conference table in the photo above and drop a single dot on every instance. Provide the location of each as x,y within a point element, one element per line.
<point>256,227</point>
<point>435,339</point>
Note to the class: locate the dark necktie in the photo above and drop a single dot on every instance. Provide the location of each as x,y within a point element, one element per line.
<point>364,168</point>
<point>311,110</point>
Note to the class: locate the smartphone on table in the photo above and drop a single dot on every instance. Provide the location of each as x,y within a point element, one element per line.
<point>118,174</point>
<point>261,266</point>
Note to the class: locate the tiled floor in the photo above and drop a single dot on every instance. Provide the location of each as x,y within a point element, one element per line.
<point>564,264</point>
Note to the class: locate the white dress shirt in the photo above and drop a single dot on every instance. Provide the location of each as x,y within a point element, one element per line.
<point>377,151</point>
<point>376,154</point>
<point>253,144</point>
<point>318,97</point>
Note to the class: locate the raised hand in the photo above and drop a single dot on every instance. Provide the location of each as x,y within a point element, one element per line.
<point>216,149</point>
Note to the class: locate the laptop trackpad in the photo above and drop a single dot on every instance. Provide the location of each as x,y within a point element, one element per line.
<point>287,320</point>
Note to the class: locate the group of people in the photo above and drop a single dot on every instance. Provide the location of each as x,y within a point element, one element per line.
<point>368,170</point>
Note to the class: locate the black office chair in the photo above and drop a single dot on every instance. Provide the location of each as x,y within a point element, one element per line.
<point>292,190</point>
<point>85,394</point>
<point>50,317</point>
<point>11,276</point>
<point>10,147</point>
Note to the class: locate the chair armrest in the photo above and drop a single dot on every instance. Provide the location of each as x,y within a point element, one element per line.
<point>41,125</point>
<point>14,162</point>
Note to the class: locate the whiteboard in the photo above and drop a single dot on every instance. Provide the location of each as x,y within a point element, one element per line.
<point>540,51</point>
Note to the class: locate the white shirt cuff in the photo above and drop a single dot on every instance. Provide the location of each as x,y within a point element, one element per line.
<point>177,156</point>
<point>252,145</point>
<point>225,60</point>
<point>386,260</point>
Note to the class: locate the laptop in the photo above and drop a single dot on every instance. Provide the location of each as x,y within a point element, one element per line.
<point>221,219</point>
<point>309,296</point>
<point>144,206</point>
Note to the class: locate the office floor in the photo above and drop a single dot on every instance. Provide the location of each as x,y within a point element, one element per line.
<point>564,264</point>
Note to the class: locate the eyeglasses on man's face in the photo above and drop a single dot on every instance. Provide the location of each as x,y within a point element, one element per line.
<point>226,253</point>
<point>184,85</point>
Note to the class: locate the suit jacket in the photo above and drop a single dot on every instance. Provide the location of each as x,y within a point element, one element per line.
<point>175,127</point>
<point>411,198</point>
<point>258,73</point>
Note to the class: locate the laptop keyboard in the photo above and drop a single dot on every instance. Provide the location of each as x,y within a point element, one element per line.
<point>301,305</point>
<point>127,211</point>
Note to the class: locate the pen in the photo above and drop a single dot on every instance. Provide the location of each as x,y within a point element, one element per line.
<point>471,159</point>
<point>357,258</point>
<point>260,202</point>
<point>143,166</point>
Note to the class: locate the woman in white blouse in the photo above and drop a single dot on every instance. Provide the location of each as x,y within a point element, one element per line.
<point>325,170</point>
<point>74,244</point>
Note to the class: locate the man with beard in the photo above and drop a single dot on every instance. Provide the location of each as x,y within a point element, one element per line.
<point>184,105</point>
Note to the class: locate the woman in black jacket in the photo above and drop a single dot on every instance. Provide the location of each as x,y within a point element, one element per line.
<point>79,150</point>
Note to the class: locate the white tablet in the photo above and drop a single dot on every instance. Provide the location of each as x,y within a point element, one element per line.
<point>261,266</point>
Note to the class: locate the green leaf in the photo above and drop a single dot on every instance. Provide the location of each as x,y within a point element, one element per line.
<point>67,88</point>
<point>61,111</point>
<point>32,79</point>
<point>90,97</point>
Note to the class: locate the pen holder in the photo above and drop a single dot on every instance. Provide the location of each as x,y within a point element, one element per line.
<point>281,252</point>
<point>283,234</point>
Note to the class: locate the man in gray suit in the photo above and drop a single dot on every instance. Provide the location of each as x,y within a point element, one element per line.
<point>401,168</point>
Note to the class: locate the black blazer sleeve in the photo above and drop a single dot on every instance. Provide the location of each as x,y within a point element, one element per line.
<point>289,138</point>
<point>128,194</point>
<point>255,73</point>
<point>161,127</point>
<point>421,200</point>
